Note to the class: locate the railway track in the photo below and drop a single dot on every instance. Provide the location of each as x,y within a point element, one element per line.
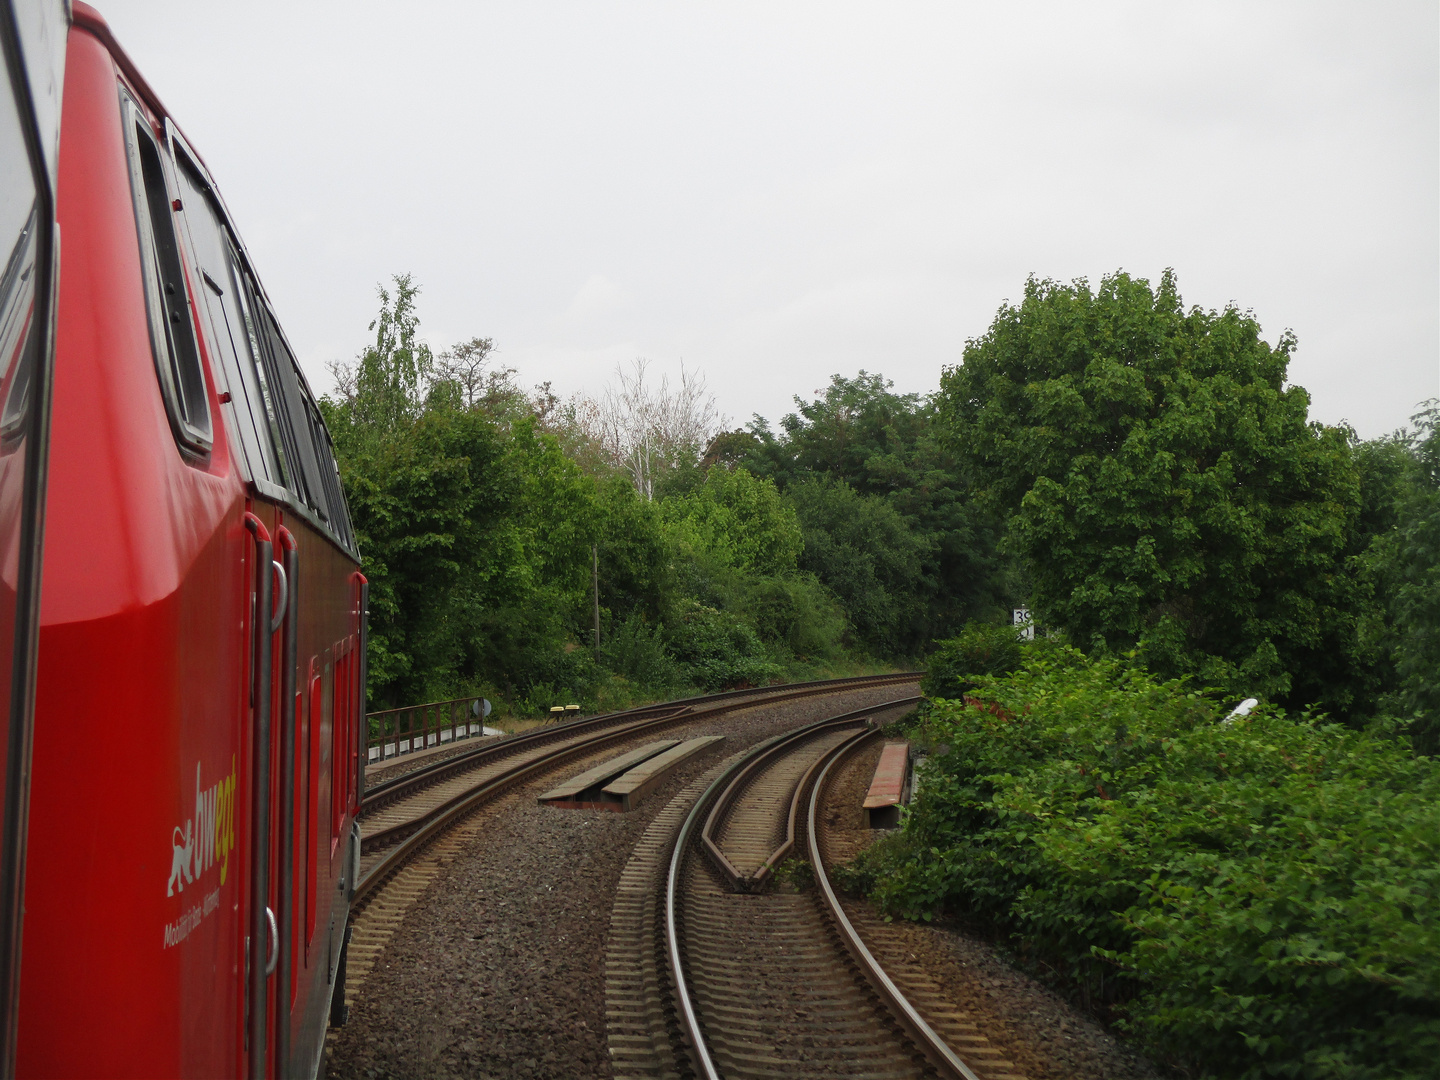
<point>400,815</point>
<point>711,975</point>
<point>414,824</point>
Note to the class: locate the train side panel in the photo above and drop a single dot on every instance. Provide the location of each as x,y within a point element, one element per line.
<point>329,634</point>
<point>140,751</point>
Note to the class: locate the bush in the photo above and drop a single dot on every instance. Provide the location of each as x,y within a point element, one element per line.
<point>720,651</point>
<point>980,649</point>
<point>636,651</point>
<point>794,616</point>
<point>1259,898</point>
<point>872,558</point>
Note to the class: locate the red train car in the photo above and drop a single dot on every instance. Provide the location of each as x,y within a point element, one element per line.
<point>195,773</point>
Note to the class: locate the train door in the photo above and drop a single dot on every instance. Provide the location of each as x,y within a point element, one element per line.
<point>32,40</point>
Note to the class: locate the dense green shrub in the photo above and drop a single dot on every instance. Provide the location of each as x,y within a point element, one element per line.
<point>1415,586</point>
<point>737,519</point>
<point>981,648</point>
<point>795,617</point>
<point>869,555</point>
<point>1260,898</point>
<point>636,650</point>
<point>720,651</point>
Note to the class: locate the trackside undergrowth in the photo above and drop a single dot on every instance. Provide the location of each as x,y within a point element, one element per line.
<point>1253,898</point>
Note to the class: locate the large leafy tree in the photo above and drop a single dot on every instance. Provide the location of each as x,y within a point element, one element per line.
<point>1165,488</point>
<point>434,516</point>
<point>887,448</point>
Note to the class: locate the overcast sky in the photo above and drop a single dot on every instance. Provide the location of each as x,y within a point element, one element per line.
<point>775,192</point>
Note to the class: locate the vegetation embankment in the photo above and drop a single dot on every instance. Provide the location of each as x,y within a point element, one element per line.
<point>1255,897</point>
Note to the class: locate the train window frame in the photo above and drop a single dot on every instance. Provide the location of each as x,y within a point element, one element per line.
<point>233,365</point>
<point>173,344</point>
<point>271,400</point>
<point>296,399</point>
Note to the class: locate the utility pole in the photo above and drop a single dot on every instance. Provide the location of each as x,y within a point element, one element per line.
<point>595,580</point>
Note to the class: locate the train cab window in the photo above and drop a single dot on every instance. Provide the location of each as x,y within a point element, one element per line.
<point>267,380</point>
<point>330,478</point>
<point>172,331</point>
<point>223,297</point>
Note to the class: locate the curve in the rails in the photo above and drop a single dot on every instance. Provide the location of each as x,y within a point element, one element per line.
<point>377,795</point>
<point>951,1038</point>
<point>932,1045</point>
<point>760,987</point>
<point>411,809</point>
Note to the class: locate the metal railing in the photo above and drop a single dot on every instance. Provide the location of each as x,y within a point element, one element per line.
<point>394,732</point>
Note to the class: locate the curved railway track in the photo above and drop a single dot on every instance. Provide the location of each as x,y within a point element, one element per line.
<point>399,816</point>
<point>414,824</point>
<point>709,975</point>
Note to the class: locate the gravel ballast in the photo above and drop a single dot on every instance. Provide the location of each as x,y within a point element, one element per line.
<point>498,971</point>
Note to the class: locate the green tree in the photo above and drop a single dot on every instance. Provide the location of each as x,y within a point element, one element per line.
<point>385,388</point>
<point>869,556</point>
<point>1165,488</point>
<point>1414,584</point>
<point>739,518</point>
<point>888,446</point>
<point>433,514</point>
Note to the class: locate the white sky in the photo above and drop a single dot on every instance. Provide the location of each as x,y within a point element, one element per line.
<point>775,192</point>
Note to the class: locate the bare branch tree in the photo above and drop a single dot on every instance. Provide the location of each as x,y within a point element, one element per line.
<point>468,366</point>
<point>344,373</point>
<point>647,429</point>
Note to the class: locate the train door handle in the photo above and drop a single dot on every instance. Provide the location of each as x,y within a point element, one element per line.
<point>279,610</point>
<point>272,954</point>
<point>261,918</point>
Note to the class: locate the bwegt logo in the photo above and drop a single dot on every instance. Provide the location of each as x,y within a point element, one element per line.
<point>208,837</point>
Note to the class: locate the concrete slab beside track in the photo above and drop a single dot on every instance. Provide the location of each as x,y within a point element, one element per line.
<point>627,791</point>
<point>568,794</point>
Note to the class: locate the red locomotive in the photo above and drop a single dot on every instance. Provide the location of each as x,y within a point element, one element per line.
<point>198,703</point>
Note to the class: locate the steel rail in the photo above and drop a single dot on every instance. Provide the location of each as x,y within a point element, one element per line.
<point>685,1006</point>
<point>389,790</point>
<point>753,766</point>
<point>935,1049</point>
